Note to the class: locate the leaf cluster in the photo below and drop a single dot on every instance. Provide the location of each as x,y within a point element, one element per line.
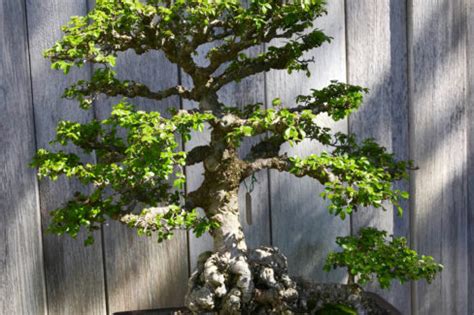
<point>163,224</point>
<point>138,164</point>
<point>371,254</point>
<point>118,25</point>
<point>295,124</point>
<point>352,180</point>
<point>179,28</point>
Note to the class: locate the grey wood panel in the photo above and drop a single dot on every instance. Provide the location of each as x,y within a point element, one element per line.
<point>74,273</point>
<point>22,287</point>
<point>438,146</point>
<point>248,91</point>
<point>142,273</point>
<point>377,59</point>
<point>301,225</point>
<point>470,157</point>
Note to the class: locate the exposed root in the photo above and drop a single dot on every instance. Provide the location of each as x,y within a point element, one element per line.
<point>244,284</point>
<point>275,291</point>
<point>258,283</point>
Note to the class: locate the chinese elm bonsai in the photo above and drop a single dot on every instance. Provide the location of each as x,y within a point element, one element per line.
<point>138,177</point>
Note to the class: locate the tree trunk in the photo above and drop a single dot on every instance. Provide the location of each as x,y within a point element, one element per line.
<point>223,279</point>
<point>235,280</point>
<point>229,237</point>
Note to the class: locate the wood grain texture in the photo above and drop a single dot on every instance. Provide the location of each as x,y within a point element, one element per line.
<point>438,146</point>
<point>74,273</point>
<point>470,157</point>
<point>377,59</point>
<point>142,273</point>
<point>249,91</point>
<point>301,226</point>
<point>22,287</point>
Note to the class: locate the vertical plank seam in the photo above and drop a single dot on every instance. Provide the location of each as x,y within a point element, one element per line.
<point>346,47</point>
<point>104,258</point>
<point>102,232</point>
<point>467,99</point>
<point>269,177</point>
<point>36,183</point>
<point>104,268</point>
<point>470,117</point>
<point>185,169</point>
<point>411,144</point>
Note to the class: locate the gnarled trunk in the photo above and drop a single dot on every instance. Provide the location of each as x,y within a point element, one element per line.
<point>223,279</point>
<point>233,279</point>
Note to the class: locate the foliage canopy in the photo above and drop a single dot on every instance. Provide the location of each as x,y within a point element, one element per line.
<point>138,176</point>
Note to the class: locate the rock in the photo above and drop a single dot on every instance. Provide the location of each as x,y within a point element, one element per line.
<point>257,282</point>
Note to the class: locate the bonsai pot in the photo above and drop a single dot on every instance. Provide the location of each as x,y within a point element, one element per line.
<point>314,298</point>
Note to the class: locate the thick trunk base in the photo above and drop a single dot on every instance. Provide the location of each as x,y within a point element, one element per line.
<point>257,282</point>
<point>244,284</point>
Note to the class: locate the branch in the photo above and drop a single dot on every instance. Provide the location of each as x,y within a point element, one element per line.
<point>314,108</point>
<point>284,57</point>
<point>197,154</point>
<point>283,164</point>
<point>338,100</point>
<point>266,148</point>
<point>363,177</point>
<point>164,220</point>
<point>141,90</point>
<point>104,82</point>
<point>284,126</point>
<point>231,49</point>
<point>146,220</point>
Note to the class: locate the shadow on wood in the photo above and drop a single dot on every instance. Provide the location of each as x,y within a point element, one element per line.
<point>160,311</point>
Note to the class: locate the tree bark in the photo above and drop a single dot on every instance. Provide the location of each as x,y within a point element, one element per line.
<point>223,279</point>
<point>233,279</point>
<point>229,237</point>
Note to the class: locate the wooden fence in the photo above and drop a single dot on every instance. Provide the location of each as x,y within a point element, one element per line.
<point>413,55</point>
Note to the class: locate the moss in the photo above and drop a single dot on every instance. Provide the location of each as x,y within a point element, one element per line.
<point>312,303</point>
<point>336,309</point>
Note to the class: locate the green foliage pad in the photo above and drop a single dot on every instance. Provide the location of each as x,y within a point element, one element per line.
<point>370,253</point>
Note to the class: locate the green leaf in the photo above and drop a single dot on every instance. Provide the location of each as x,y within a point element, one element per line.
<point>247,131</point>
<point>404,195</point>
<point>336,309</point>
<point>370,254</point>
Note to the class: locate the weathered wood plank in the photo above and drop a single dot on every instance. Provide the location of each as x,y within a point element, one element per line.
<point>141,273</point>
<point>22,284</point>
<point>377,59</point>
<point>301,225</point>
<point>248,91</point>
<point>74,273</point>
<point>438,146</point>
<point>470,154</point>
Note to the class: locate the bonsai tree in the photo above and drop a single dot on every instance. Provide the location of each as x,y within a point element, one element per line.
<point>138,177</point>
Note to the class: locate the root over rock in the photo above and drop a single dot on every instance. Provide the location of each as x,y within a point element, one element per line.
<point>241,284</point>
<point>258,283</point>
